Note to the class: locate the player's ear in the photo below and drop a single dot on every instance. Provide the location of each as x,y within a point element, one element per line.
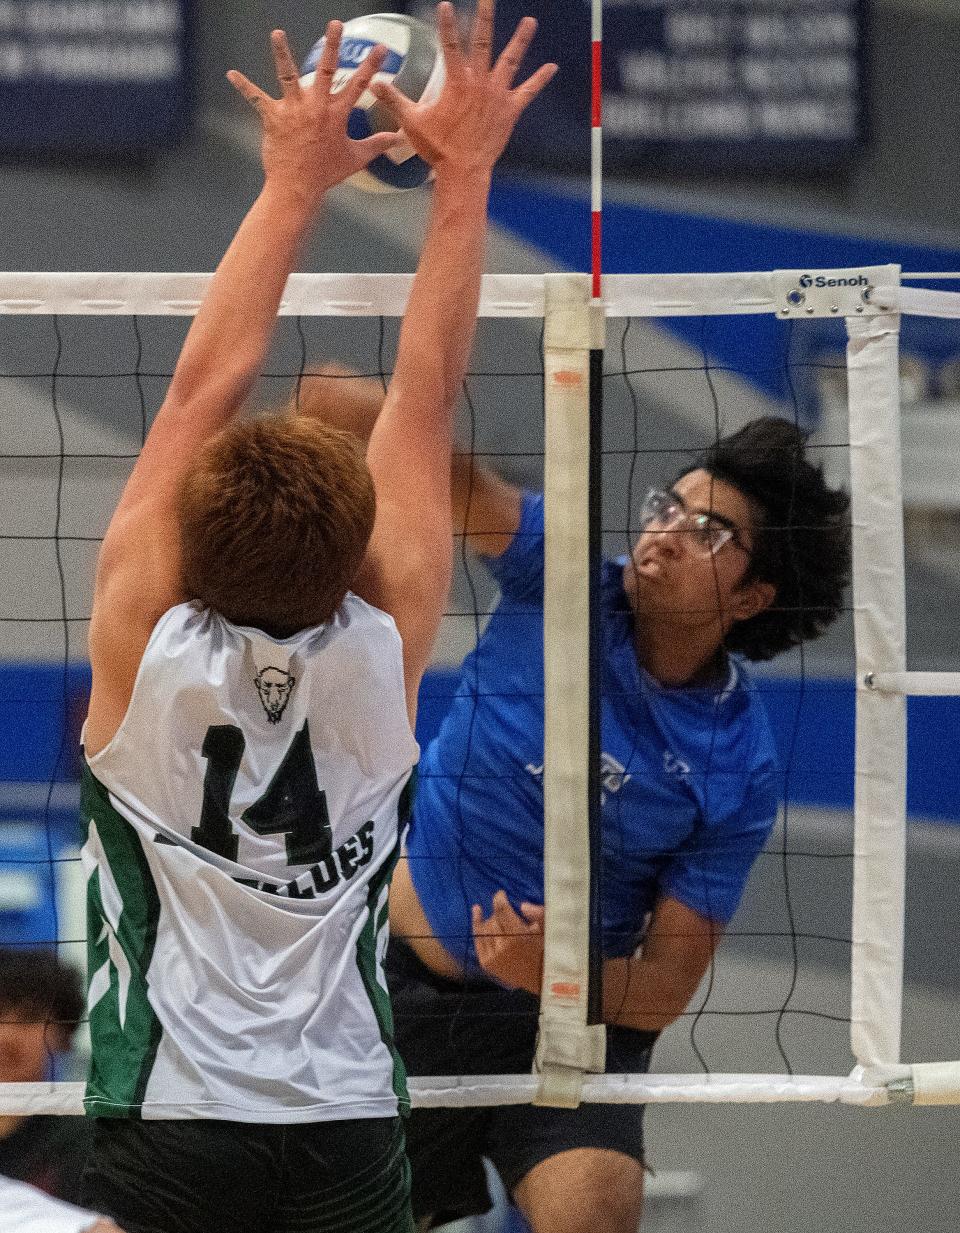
<point>752,598</point>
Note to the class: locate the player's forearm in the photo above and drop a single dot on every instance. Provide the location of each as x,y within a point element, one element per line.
<point>486,508</point>
<point>645,995</point>
<point>440,321</point>
<point>410,447</point>
<point>230,336</point>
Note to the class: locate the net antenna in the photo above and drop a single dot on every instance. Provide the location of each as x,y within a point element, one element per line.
<point>871,301</point>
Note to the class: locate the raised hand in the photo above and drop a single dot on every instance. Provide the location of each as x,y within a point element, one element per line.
<point>469,125</point>
<point>305,142</point>
<point>510,946</point>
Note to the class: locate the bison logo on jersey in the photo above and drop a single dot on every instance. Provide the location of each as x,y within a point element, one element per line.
<point>274,686</point>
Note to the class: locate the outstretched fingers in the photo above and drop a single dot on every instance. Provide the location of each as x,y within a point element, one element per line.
<point>253,94</point>
<point>528,90</point>
<point>288,75</point>
<point>359,80</point>
<point>449,36</point>
<point>508,922</point>
<point>370,148</point>
<point>481,40</point>
<point>510,58</point>
<point>399,105</point>
<point>484,935</point>
<point>329,59</point>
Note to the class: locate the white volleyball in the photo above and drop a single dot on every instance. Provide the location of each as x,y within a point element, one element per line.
<point>414,64</point>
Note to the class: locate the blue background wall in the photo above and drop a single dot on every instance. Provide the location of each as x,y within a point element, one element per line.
<point>41,709</point>
<point>644,239</point>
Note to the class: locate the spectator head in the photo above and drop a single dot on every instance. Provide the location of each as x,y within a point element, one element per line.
<point>41,1003</point>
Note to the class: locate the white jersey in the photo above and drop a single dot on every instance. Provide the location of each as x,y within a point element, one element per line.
<point>243,826</point>
<point>25,1210</point>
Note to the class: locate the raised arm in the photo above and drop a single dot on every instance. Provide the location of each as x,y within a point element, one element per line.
<point>462,134</point>
<point>484,507</point>
<point>306,150</point>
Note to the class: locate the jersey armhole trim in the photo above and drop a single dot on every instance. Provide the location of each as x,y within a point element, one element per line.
<point>108,748</point>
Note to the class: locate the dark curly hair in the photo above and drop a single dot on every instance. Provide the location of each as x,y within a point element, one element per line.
<point>36,987</point>
<point>802,538</point>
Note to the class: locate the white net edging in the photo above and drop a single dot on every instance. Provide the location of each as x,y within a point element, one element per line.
<point>883,683</point>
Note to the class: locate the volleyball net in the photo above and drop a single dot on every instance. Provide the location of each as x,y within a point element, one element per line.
<point>591,390</point>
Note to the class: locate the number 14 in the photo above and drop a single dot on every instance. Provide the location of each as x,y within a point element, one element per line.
<point>292,805</point>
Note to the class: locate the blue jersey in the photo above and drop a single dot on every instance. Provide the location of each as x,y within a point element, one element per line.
<point>689,774</point>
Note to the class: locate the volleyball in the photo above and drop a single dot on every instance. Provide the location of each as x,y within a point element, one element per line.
<point>414,64</point>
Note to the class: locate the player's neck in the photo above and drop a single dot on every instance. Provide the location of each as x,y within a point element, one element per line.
<point>674,658</point>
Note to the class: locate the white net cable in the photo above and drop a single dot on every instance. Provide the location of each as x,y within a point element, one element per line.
<point>882,679</point>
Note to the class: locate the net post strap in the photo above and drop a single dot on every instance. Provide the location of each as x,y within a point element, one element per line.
<point>880,635</point>
<point>924,1083</point>
<point>916,684</point>
<point>936,1083</point>
<point>567,1046</point>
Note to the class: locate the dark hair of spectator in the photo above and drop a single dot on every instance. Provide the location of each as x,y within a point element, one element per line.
<point>35,987</point>
<point>801,541</point>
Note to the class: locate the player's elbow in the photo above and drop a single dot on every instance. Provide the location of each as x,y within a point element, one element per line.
<point>201,399</point>
<point>647,1015</point>
<point>648,993</point>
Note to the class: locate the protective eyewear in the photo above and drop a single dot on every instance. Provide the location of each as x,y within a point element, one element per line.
<point>706,534</point>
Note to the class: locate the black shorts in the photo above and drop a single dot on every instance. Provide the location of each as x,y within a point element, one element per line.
<point>447,1028</point>
<point>230,1177</point>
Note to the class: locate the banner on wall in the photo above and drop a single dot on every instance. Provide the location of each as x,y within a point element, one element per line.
<point>765,81</point>
<point>93,76</point>
<point>708,84</point>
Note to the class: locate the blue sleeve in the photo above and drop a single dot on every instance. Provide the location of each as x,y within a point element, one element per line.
<point>709,873</point>
<point>519,570</point>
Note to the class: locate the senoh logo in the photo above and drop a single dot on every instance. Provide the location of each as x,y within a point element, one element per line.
<point>821,281</point>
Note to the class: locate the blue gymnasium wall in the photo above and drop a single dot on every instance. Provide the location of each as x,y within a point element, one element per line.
<point>640,239</point>
<point>813,721</point>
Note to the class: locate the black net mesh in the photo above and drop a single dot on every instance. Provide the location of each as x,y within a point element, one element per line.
<point>79,394</point>
<point>776,996</point>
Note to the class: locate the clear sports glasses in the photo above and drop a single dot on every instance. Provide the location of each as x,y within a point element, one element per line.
<point>705,533</point>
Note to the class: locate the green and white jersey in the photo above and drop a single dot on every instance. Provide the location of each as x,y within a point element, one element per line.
<point>242,828</point>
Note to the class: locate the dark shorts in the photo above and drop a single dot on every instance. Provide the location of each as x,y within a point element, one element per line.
<point>477,1028</point>
<point>229,1177</point>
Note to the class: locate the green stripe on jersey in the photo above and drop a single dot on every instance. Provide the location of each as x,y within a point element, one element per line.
<point>367,955</point>
<point>124,1031</point>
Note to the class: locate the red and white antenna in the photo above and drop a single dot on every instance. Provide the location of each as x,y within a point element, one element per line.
<point>596,145</point>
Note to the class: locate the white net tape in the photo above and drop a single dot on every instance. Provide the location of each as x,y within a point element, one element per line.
<point>882,682</point>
